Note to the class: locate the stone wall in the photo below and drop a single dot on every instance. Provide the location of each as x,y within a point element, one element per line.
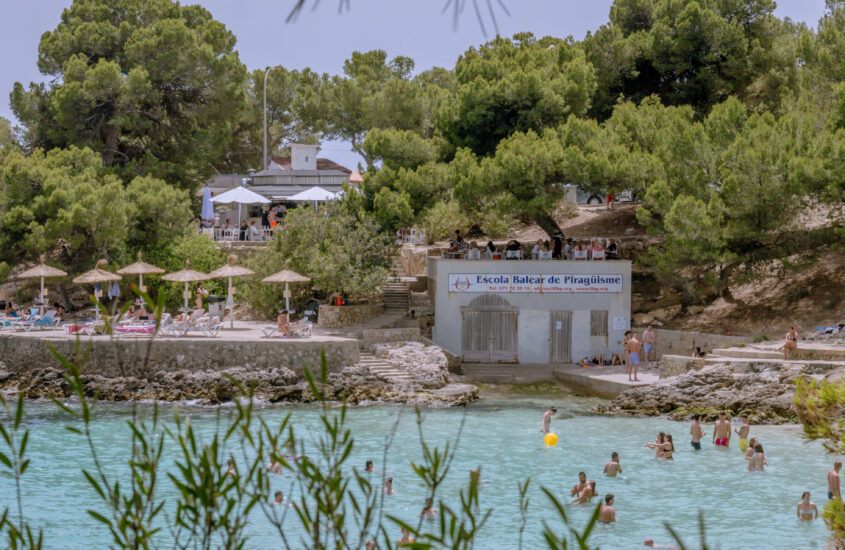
<point>412,260</point>
<point>675,365</point>
<point>343,316</point>
<point>679,342</point>
<point>126,357</point>
<point>388,336</point>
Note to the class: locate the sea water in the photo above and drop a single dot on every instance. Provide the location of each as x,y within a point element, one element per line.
<point>502,438</point>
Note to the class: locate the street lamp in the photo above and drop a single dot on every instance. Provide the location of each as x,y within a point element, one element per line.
<point>264,155</point>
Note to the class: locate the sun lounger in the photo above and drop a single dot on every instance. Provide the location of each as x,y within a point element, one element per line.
<point>270,332</point>
<point>135,330</point>
<point>44,323</point>
<point>299,329</point>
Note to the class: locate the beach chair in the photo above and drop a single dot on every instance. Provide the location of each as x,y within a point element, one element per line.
<point>270,332</point>
<point>301,328</point>
<point>206,325</point>
<point>44,323</point>
<point>134,330</point>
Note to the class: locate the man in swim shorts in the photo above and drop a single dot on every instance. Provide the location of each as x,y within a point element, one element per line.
<point>648,345</point>
<point>722,431</point>
<point>633,347</point>
<point>742,432</point>
<point>833,490</point>
<point>696,433</point>
<point>547,420</point>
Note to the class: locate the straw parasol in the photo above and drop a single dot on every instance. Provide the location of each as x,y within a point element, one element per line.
<point>186,276</point>
<point>286,276</point>
<point>41,271</point>
<point>228,271</point>
<point>140,269</point>
<point>96,275</point>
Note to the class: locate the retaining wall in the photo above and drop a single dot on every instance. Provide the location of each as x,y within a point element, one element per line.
<point>105,356</point>
<point>388,335</point>
<point>344,316</point>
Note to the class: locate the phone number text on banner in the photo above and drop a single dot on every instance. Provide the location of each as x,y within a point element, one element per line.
<point>539,283</point>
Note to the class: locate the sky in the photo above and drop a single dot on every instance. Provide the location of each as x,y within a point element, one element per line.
<point>322,38</point>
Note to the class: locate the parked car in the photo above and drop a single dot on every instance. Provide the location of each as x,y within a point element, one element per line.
<point>587,197</point>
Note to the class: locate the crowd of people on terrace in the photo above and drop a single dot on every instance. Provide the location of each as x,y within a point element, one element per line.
<point>272,216</point>
<point>557,249</point>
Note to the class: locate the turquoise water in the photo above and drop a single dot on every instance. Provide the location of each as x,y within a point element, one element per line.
<point>501,438</point>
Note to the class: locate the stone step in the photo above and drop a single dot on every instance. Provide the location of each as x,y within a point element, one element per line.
<point>749,353</point>
<point>818,364</point>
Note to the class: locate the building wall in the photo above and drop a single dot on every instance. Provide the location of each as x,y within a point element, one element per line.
<point>533,324</point>
<point>303,156</point>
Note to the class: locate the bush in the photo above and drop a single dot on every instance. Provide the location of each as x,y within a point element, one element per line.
<point>441,220</point>
<point>343,254</point>
<point>393,210</point>
<point>761,338</point>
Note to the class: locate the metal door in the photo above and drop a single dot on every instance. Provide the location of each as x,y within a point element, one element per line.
<point>489,331</point>
<point>560,337</point>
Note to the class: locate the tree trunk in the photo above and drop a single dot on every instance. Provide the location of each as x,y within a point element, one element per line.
<point>547,223</point>
<point>112,137</point>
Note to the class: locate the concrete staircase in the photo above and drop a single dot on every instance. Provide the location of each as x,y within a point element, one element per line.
<point>396,296</point>
<point>383,369</point>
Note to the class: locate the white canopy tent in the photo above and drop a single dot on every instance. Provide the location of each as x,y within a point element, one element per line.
<point>315,194</point>
<point>240,195</point>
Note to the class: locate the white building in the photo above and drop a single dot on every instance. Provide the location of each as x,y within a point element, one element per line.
<point>529,311</point>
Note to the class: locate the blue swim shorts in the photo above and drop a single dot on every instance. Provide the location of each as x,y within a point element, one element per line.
<point>647,348</point>
<point>634,358</point>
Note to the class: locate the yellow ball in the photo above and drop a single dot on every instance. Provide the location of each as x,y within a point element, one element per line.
<point>550,439</point>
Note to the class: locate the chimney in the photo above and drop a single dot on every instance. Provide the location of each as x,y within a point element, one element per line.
<point>303,157</point>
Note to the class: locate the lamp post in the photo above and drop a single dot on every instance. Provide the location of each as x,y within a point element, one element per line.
<point>264,155</point>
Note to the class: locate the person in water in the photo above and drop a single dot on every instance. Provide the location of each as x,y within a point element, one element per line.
<point>613,467</point>
<point>428,510</point>
<point>649,543</point>
<point>388,487</point>
<point>368,466</point>
<point>547,420</point>
<point>607,514</point>
<point>696,433</point>
<point>230,468</point>
<point>807,511</point>
<point>586,494</point>
<point>406,538</point>
<point>833,489</point>
<point>742,432</point>
<point>279,499</point>
<point>758,460</point>
<point>582,482</point>
<point>657,445</point>
<point>751,444</point>
<point>722,431</point>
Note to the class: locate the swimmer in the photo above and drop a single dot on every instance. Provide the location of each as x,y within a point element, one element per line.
<point>833,490</point>
<point>758,459</point>
<point>368,466</point>
<point>547,420</point>
<point>586,495</point>
<point>657,445</point>
<point>230,468</point>
<point>607,514</point>
<point>651,544</point>
<point>742,432</point>
<point>274,467</point>
<point>806,509</point>
<point>406,538</point>
<point>668,448</point>
<point>475,477</point>
<point>722,431</point>
<point>751,444</point>
<point>428,511</point>
<point>613,467</point>
<point>370,545</point>
<point>388,487</point>
<point>279,500</point>
<point>696,433</point>
<point>582,482</point>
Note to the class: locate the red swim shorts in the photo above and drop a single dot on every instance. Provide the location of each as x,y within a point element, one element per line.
<point>722,441</point>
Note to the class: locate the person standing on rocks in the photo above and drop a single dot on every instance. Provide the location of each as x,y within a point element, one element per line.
<point>547,420</point>
<point>632,348</point>
<point>696,433</point>
<point>648,345</point>
<point>833,490</point>
<point>791,342</point>
<point>742,432</point>
<point>722,431</point>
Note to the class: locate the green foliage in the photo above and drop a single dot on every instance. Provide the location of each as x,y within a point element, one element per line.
<point>203,255</point>
<point>515,85</point>
<point>157,212</point>
<point>343,253</point>
<point>393,210</point>
<point>153,87</point>
<point>400,148</point>
<point>441,220</point>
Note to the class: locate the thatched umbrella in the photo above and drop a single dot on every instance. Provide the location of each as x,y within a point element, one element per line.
<point>140,269</point>
<point>186,276</point>
<point>41,271</point>
<point>96,275</point>
<point>286,276</point>
<point>229,270</point>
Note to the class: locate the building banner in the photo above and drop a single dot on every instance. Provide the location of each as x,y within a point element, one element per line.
<point>535,283</point>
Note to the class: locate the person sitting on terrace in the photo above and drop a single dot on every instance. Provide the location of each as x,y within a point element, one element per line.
<point>557,250</point>
<point>596,250</point>
<point>612,251</point>
<point>228,224</point>
<point>513,250</point>
<point>580,251</point>
<point>283,323</point>
<point>243,231</point>
<point>60,311</point>
<point>535,250</point>
<point>474,253</point>
<point>254,233</point>
<point>458,237</point>
<point>567,249</point>
<point>546,251</point>
<point>491,249</point>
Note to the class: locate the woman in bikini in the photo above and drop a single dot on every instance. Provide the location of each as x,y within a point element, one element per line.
<point>751,444</point>
<point>791,342</point>
<point>758,460</point>
<point>807,511</point>
<point>587,494</point>
<point>657,445</point>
